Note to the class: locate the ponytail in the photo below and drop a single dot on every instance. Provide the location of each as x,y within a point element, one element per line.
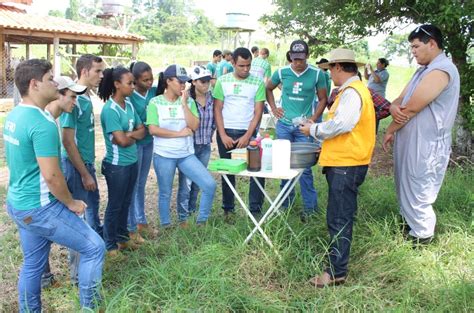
<point>106,85</point>
<point>162,85</point>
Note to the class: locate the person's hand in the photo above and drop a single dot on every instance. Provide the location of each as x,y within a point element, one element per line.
<point>397,114</point>
<point>305,128</point>
<point>227,141</point>
<point>88,182</point>
<point>278,113</point>
<point>388,141</point>
<point>185,96</point>
<point>77,206</point>
<point>242,142</point>
<point>185,132</point>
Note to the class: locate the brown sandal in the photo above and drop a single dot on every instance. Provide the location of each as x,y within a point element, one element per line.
<point>325,280</point>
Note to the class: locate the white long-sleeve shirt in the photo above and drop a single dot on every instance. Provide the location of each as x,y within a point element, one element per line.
<point>346,116</point>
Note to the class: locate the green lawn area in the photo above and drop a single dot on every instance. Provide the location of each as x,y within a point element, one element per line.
<point>209,269</point>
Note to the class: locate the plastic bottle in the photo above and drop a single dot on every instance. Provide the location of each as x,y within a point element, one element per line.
<point>253,157</point>
<point>267,144</point>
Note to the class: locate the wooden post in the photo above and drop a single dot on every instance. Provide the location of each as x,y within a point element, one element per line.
<point>134,51</point>
<point>74,59</point>
<point>57,57</point>
<point>27,52</point>
<point>3,66</point>
<point>48,52</point>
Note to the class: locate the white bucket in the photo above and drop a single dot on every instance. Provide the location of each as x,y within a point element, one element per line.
<point>281,155</point>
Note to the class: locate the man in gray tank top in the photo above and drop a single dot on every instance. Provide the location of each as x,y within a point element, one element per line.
<point>423,116</point>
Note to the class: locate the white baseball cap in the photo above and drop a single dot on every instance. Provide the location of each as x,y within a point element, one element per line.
<point>200,72</point>
<point>66,82</point>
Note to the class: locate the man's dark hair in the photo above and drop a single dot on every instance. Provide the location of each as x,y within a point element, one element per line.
<point>265,51</point>
<point>217,53</point>
<point>28,70</point>
<point>253,49</point>
<point>384,61</point>
<point>347,67</point>
<point>242,52</point>
<point>85,62</point>
<point>426,32</point>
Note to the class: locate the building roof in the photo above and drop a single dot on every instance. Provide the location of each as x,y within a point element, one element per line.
<point>20,27</point>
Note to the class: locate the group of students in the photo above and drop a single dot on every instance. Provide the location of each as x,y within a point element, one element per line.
<point>174,127</point>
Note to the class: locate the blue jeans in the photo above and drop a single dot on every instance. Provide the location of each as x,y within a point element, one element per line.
<point>188,191</point>
<point>54,222</point>
<point>136,214</point>
<point>120,183</point>
<point>91,198</point>
<point>255,194</point>
<point>308,192</point>
<point>190,166</point>
<point>343,184</point>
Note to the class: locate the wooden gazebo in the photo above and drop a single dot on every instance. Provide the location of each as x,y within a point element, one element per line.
<point>18,27</point>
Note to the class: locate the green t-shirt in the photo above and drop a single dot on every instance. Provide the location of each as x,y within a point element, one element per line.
<point>211,66</point>
<point>170,115</point>
<point>239,97</point>
<point>298,90</point>
<point>140,104</point>
<point>220,68</point>
<point>29,133</point>
<point>114,118</point>
<point>81,119</point>
<point>261,68</point>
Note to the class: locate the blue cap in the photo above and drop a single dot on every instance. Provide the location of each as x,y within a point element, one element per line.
<point>177,71</point>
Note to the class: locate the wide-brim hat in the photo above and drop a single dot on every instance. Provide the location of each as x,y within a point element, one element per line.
<point>341,55</point>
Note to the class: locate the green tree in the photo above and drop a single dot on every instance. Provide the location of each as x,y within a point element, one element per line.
<point>398,45</point>
<point>331,23</point>
<point>56,13</point>
<point>72,13</point>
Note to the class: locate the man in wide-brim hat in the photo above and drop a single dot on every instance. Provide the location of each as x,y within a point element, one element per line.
<point>348,137</point>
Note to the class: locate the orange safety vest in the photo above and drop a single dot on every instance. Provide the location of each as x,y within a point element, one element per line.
<point>355,147</point>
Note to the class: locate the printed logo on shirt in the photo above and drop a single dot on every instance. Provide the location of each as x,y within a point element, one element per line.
<point>173,112</point>
<point>237,89</point>
<point>297,87</point>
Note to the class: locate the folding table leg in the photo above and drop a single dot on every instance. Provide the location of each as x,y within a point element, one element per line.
<point>244,206</point>
<point>275,205</point>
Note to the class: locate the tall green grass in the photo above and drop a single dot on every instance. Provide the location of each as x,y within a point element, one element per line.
<point>209,268</point>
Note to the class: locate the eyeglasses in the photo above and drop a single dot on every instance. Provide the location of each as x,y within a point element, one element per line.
<point>425,31</point>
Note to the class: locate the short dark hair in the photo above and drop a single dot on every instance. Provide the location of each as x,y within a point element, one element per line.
<point>384,61</point>
<point>138,68</point>
<point>254,48</point>
<point>85,62</point>
<point>426,32</point>
<point>288,58</point>
<point>28,70</point>
<point>242,52</point>
<point>217,53</point>
<point>347,67</point>
<point>265,51</point>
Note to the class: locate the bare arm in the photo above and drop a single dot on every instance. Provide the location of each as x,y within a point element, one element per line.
<point>243,141</point>
<point>166,133</point>
<point>323,101</point>
<point>69,143</point>
<point>219,120</point>
<point>427,90</point>
<point>366,73</point>
<point>191,120</point>
<point>278,112</point>
<point>50,170</point>
<point>137,133</point>
<point>120,138</point>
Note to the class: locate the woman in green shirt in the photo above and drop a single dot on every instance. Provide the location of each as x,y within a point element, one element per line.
<point>121,127</point>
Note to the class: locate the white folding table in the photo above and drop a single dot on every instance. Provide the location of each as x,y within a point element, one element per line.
<point>292,175</point>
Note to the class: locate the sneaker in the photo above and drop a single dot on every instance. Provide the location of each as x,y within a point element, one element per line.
<point>184,225</point>
<point>306,217</point>
<point>115,256</point>
<point>419,242</point>
<point>136,237</point>
<point>144,230</point>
